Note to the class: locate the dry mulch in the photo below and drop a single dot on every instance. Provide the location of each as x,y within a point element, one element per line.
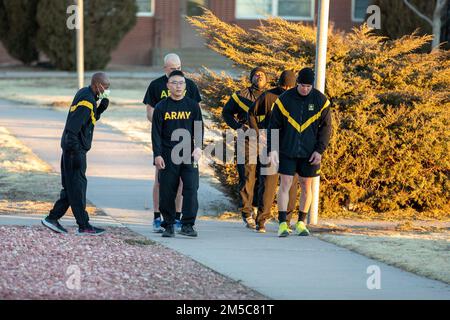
<point>36,264</point>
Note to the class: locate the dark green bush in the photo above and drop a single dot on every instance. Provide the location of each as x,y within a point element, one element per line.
<point>18,29</point>
<point>105,22</point>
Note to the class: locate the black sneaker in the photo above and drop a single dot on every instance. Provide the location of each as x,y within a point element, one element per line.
<point>188,230</point>
<point>168,232</point>
<point>53,225</point>
<point>90,231</point>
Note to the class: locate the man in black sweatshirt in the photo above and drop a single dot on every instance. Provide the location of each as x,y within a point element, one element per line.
<point>76,141</point>
<point>174,120</point>
<point>259,116</point>
<point>235,114</point>
<point>303,116</point>
<point>157,91</point>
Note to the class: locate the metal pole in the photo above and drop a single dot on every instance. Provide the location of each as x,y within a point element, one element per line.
<point>321,63</point>
<point>80,44</point>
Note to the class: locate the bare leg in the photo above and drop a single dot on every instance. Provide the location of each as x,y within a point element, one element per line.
<point>283,192</point>
<point>306,194</point>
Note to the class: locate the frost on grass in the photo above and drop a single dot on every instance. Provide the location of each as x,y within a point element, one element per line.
<point>27,183</point>
<point>426,254</point>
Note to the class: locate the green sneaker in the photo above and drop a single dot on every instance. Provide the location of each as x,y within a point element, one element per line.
<point>300,229</point>
<point>283,230</point>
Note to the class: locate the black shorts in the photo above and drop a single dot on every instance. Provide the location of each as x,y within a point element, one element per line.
<point>291,166</point>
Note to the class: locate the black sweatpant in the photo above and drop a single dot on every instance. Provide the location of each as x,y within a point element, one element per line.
<point>169,179</point>
<point>73,193</point>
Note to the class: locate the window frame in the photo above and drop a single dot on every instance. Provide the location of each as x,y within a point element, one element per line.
<point>274,13</point>
<point>354,18</point>
<point>147,14</point>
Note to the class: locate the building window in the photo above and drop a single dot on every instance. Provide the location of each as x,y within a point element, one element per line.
<point>287,9</point>
<point>359,8</point>
<point>146,8</point>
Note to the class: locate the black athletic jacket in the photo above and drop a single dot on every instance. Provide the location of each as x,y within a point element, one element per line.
<point>304,123</point>
<point>235,111</point>
<point>79,129</point>
<point>171,115</point>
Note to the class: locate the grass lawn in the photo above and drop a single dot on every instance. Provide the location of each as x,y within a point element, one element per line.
<point>27,184</point>
<point>424,253</point>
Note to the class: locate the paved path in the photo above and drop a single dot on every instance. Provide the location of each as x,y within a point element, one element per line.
<point>120,179</point>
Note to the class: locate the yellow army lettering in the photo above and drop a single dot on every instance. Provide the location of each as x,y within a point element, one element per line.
<point>181,115</point>
<point>165,94</point>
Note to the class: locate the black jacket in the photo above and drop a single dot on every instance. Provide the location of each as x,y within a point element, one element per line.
<point>79,129</point>
<point>304,123</point>
<point>235,111</point>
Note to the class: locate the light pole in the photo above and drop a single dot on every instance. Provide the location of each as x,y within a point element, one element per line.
<point>321,63</point>
<point>80,44</point>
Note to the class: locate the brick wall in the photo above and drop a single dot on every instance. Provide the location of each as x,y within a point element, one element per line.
<point>340,14</point>
<point>162,31</point>
<point>136,47</point>
<point>167,14</point>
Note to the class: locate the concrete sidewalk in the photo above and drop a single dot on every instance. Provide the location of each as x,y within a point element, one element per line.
<point>120,179</point>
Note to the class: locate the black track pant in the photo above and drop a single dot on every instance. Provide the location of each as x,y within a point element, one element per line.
<point>73,193</point>
<point>169,179</point>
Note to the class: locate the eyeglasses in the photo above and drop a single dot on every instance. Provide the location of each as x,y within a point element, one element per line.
<point>177,83</point>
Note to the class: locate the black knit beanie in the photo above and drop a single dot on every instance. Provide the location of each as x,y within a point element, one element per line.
<point>306,76</point>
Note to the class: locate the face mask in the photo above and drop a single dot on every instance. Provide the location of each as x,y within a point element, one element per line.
<point>105,94</point>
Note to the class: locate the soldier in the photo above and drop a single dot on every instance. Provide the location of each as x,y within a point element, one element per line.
<point>171,114</point>
<point>303,116</point>
<point>156,92</point>
<point>235,114</point>
<point>75,143</point>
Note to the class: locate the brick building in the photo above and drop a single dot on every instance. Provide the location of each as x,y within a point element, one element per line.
<point>161,25</point>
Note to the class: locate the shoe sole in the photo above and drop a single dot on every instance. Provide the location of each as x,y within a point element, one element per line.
<point>90,234</point>
<point>284,234</point>
<point>168,235</point>
<point>52,227</point>
<point>188,235</point>
<point>304,233</point>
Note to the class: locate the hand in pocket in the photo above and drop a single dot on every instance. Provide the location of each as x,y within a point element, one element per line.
<point>75,158</point>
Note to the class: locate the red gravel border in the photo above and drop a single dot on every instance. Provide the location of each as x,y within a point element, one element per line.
<point>118,265</point>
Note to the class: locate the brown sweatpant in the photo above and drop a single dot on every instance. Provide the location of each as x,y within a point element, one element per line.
<point>269,192</point>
